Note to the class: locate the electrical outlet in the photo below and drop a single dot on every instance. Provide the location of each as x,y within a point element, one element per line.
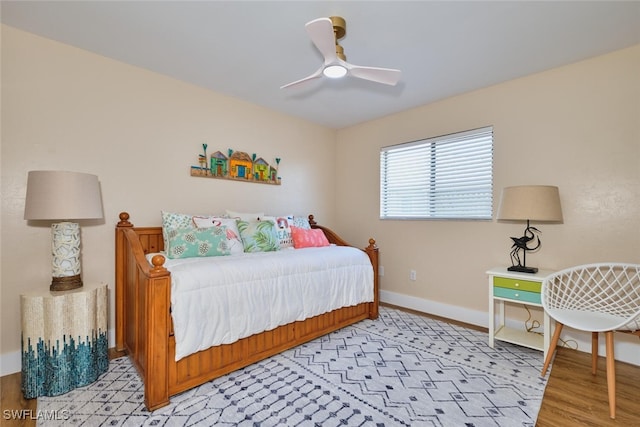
<point>381,270</point>
<point>412,275</point>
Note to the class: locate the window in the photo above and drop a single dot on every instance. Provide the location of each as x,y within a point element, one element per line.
<point>446,177</point>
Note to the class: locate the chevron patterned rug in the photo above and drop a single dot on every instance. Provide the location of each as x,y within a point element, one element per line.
<point>399,370</point>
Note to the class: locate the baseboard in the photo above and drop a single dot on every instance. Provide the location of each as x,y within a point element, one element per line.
<point>10,363</point>
<point>461,314</point>
<point>627,346</point>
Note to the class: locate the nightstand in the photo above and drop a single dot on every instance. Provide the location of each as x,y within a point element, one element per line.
<point>64,339</point>
<point>511,287</point>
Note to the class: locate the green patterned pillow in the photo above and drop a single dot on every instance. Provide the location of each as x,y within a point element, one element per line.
<point>258,236</point>
<point>301,222</point>
<point>171,221</point>
<point>197,242</point>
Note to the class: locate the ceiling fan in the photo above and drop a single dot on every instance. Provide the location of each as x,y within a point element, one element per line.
<point>325,33</point>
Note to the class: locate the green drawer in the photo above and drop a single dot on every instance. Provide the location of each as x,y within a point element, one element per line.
<point>517,295</point>
<point>525,285</point>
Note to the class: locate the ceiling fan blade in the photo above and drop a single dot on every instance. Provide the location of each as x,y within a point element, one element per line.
<point>387,76</point>
<point>315,75</point>
<point>321,33</point>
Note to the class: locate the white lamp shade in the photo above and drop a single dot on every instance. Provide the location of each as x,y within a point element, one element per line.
<point>530,202</point>
<point>60,195</point>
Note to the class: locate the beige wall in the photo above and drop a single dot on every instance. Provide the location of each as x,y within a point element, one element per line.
<point>67,109</point>
<point>577,127</point>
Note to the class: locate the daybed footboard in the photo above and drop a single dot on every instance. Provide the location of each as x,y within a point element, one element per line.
<point>143,318</point>
<point>144,328</point>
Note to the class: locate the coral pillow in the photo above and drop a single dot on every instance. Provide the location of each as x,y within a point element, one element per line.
<point>311,238</point>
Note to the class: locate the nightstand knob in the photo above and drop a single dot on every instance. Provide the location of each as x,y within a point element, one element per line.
<point>516,284</point>
<point>516,295</point>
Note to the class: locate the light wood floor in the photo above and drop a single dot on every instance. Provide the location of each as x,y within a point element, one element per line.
<point>573,397</point>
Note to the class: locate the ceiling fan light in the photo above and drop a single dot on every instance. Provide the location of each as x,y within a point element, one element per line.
<point>335,71</point>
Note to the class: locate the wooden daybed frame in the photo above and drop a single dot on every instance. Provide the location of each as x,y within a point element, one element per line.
<point>144,327</point>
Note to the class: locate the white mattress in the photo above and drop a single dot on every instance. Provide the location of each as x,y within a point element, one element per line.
<point>219,300</point>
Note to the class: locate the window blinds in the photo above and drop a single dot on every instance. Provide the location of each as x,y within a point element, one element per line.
<point>446,177</point>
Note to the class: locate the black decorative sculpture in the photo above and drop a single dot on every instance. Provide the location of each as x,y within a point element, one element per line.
<point>524,203</point>
<point>522,244</point>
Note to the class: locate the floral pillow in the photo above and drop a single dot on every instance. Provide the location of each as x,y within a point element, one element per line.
<point>301,222</point>
<point>197,242</point>
<point>258,236</point>
<point>283,228</point>
<point>172,221</point>
<point>311,238</point>
<point>233,234</point>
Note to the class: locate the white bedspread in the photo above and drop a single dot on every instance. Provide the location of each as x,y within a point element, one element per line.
<point>218,300</point>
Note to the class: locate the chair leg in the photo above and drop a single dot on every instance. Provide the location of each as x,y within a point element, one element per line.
<point>552,347</point>
<point>611,374</point>
<point>594,352</point>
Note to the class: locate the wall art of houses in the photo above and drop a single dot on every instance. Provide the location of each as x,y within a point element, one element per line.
<point>237,166</point>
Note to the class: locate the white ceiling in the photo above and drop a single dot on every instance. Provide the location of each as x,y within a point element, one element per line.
<point>248,49</point>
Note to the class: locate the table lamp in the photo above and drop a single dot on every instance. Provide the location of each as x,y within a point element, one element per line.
<point>539,203</point>
<point>64,196</point>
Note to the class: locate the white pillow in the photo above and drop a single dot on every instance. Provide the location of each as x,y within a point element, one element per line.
<point>245,216</point>
<point>283,229</point>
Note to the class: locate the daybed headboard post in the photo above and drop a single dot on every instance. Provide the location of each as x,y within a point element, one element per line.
<point>372,252</point>
<point>332,237</point>
<point>158,324</point>
<point>120,277</point>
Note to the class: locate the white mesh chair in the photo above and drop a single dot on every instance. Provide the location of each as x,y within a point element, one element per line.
<point>594,298</point>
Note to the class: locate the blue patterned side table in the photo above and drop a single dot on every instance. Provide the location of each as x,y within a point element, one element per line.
<point>64,340</point>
